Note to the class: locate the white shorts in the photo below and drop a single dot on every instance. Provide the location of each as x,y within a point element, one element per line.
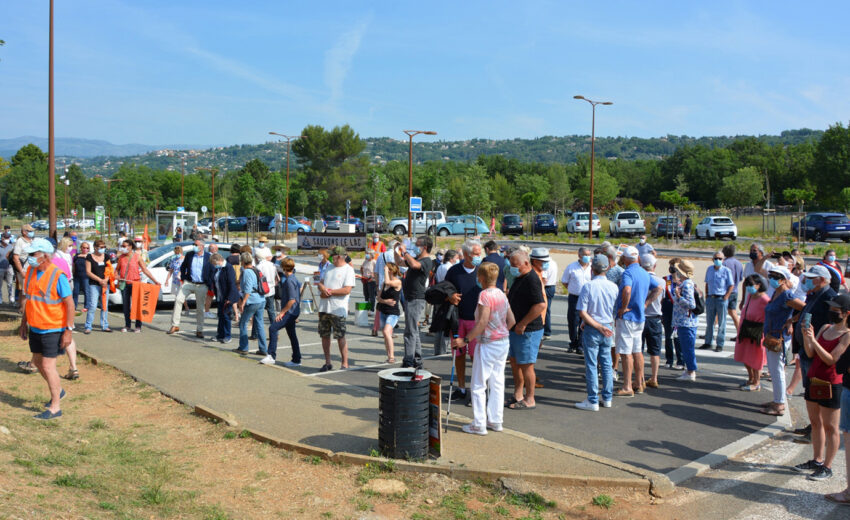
<point>628,336</point>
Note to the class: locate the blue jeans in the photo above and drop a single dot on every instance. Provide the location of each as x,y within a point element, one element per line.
<point>715,306</point>
<point>224,321</point>
<point>255,311</point>
<point>550,293</point>
<point>269,307</point>
<point>95,295</point>
<point>81,285</point>
<point>687,340</point>
<point>597,352</point>
<point>288,323</point>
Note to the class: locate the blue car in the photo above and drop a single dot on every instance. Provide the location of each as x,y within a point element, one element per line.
<point>293,226</point>
<point>821,226</point>
<point>463,225</point>
<point>545,223</point>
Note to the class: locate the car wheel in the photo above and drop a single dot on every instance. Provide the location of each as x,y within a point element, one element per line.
<point>399,230</point>
<point>596,234</point>
<point>734,237</point>
<point>430,231</point>
<point>443,232</point>
<point>819,237</point>
<point>300,231</point>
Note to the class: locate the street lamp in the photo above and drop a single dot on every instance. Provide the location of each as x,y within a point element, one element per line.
<point>289,139</point>
<point>51,144</point>
<point>212,171</point>
<point>592,158</point>
<point>410,134</point>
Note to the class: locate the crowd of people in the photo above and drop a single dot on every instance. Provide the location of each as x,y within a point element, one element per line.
<point>490,304</point>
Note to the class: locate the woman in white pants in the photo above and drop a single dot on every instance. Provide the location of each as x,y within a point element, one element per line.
<point>493,319</point>
<point>777,324</point>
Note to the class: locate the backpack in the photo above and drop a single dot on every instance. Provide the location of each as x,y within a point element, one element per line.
<point>699,302</point>
<point>262,283</point>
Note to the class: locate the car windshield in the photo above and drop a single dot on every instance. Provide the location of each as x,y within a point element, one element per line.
<point>160,251</point>
<point>511,219</point>
<point>668,220</point>
<point>545,216</point>
<point>837,219</point>
<point>628,216</point>
<point>723,221</point>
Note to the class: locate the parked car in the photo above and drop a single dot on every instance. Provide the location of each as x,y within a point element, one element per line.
<point>423,222</point>
<point>40,225</point>
<point>84,223</point>
<point>302,219</point>
<point>293,227</point>
<point>579,222</point>
<point>667,227</point>
<point>205,222</point>
<point>626,223</point>
<point>376,223</point>
<point>716,227</point>
<point>545,223</point>
<point>820,226</point>
<point>332,222</point>
<point>512,224</point>
<point>232,223</point>
<point>359,225</point>
<point>463,225</point>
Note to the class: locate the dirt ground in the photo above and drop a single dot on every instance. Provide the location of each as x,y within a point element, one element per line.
<point>123,450</point>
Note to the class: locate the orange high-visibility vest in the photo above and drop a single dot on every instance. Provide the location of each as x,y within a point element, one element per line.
<point>44,308</point>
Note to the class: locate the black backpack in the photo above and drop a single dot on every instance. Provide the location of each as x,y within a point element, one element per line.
<point>699,302</point>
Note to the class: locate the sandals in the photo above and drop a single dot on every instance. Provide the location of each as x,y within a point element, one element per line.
<point>510,400</point>
<point>390,360</point>
<point>842,498</point>
<point>776,411</point>
<point>520,405</point>
<point>72,374</point>
<point>27,367</point>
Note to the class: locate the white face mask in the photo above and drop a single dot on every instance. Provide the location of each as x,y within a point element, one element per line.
<point>320,257</point>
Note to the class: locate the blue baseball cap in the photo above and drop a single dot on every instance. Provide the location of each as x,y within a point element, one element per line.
<point>39,244</point>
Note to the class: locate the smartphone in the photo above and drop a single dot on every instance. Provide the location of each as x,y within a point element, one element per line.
<point>807,319</point>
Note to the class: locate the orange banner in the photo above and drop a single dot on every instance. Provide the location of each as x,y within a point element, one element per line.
<point>143,302</point>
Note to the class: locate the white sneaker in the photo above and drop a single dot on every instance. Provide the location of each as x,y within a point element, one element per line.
<point>496,427</point>
<point>587,405</point>
<point>687,377</point>
<point>606,404</point>
<point>209,315</point>
<point>268,360</point>
<point>469,428</point>
<point>291,364</point>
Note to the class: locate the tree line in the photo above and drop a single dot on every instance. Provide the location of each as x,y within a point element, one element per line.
<point>329,168</point>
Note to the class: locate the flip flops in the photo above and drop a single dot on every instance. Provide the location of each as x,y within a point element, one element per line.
<point>520,405</point>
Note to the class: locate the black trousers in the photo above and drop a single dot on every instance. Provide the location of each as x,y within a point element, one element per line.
<point>573,321</point>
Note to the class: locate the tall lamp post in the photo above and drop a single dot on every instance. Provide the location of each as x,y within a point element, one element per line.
<point>51,144</point>
<point>592,158</point>
<point>410,134</point>
<point>289,139</point>
<point>213,172</point>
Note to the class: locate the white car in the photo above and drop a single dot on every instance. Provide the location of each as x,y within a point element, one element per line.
<point>424,222</point>
<point>716,228</point>
<point>626,223</point>
<point>578,223</point>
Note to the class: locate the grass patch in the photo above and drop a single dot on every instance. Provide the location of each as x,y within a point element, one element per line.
<point>244,434</point>
<point>215,512</point>
<point>531,500</point>
<point>603,500</point>
<point>230,435</point>
<point>455,505</point>
<point>107,506</point>
<point>313,459</point>
<point>374,470</point>
<point>97,424</point>
<point>155,495</point>
<point>75,481</point>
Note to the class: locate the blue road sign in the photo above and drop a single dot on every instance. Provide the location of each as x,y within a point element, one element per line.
<point>415,204</point>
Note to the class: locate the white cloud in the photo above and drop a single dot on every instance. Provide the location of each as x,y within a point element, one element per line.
<point>338,61</point>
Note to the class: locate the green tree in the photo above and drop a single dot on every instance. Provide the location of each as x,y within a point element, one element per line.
<point>605,187</point>
<point>29,152</point>
<point>321,151</point>
<point>504,194</point>
<point>532,189</point>
<point>831,171</point>
<point>672,197</point>
<point>798,196</point>
<point>560,196</point>
<point>247,200</point>
<point>743,188</point>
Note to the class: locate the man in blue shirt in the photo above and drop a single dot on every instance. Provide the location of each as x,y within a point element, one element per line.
<point>737,269</point>
<point>719,283</point>
<point>635,285</point>
<point>595,306</point>
<point>644,247</point>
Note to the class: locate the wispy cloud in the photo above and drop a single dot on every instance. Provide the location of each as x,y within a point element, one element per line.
<point>338,61</point>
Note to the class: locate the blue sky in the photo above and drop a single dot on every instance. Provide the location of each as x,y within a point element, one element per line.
<point>224,72</point>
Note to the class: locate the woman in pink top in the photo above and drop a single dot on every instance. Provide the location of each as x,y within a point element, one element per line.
<point>750,351</point>
<point>493,319</point>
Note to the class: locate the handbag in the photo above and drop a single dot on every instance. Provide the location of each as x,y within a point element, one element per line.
<point>773,344</point>
<point>751,330</point>
<point>819,389</point>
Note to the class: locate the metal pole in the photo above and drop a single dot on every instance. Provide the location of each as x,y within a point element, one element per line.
<point>286,221</point>
<point>51,145</point>
<point>592,160</point>
<point>410,187</point>
<point>182,178</point>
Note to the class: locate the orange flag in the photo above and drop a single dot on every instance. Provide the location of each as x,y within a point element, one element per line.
<point>146,238</point>
<point>143,302</point>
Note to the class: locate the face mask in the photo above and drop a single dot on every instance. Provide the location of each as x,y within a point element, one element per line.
<point>138,245</point>
<point>123,250</point>
<point>320,257</point>
<point>754,255</point>
<point>642,241</point>
<point>808,284</point>
<point>774,283</point>
<point>515,271</point>
<point>585,259</point>
<point>835,317</point>
<point>31,234</point>
<point>375,240</point>
<point>545,266</point>
<point>830,258</point>
<point>74,239</point>
<point>718,263</point>
<point>413,250</point>
<point>751,289</point>
<point>102,250</point>
<point>262,244</point>
<point>32,261</point>
<point>476,261</point>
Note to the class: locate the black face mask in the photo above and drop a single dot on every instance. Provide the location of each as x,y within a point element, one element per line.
<point>835,317</point>
<point>754,255</point>
<point>672,270</point>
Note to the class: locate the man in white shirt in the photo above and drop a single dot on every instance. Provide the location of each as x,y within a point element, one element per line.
<point>550,283</point>
<point>335,290</point>
<point>450,258</point>
<point>264,265</point>
<point>575,276</point>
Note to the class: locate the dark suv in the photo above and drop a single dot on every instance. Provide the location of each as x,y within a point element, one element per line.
<point>512,224</point>
<point>545,223</point>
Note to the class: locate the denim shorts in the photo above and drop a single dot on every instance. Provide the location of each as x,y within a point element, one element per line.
<point>389,319</point>
<point>524,347</point>
<point>844,422</point>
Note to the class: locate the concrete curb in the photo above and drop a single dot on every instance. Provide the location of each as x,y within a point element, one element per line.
<point>721,455</point>
<point>90,357</point>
